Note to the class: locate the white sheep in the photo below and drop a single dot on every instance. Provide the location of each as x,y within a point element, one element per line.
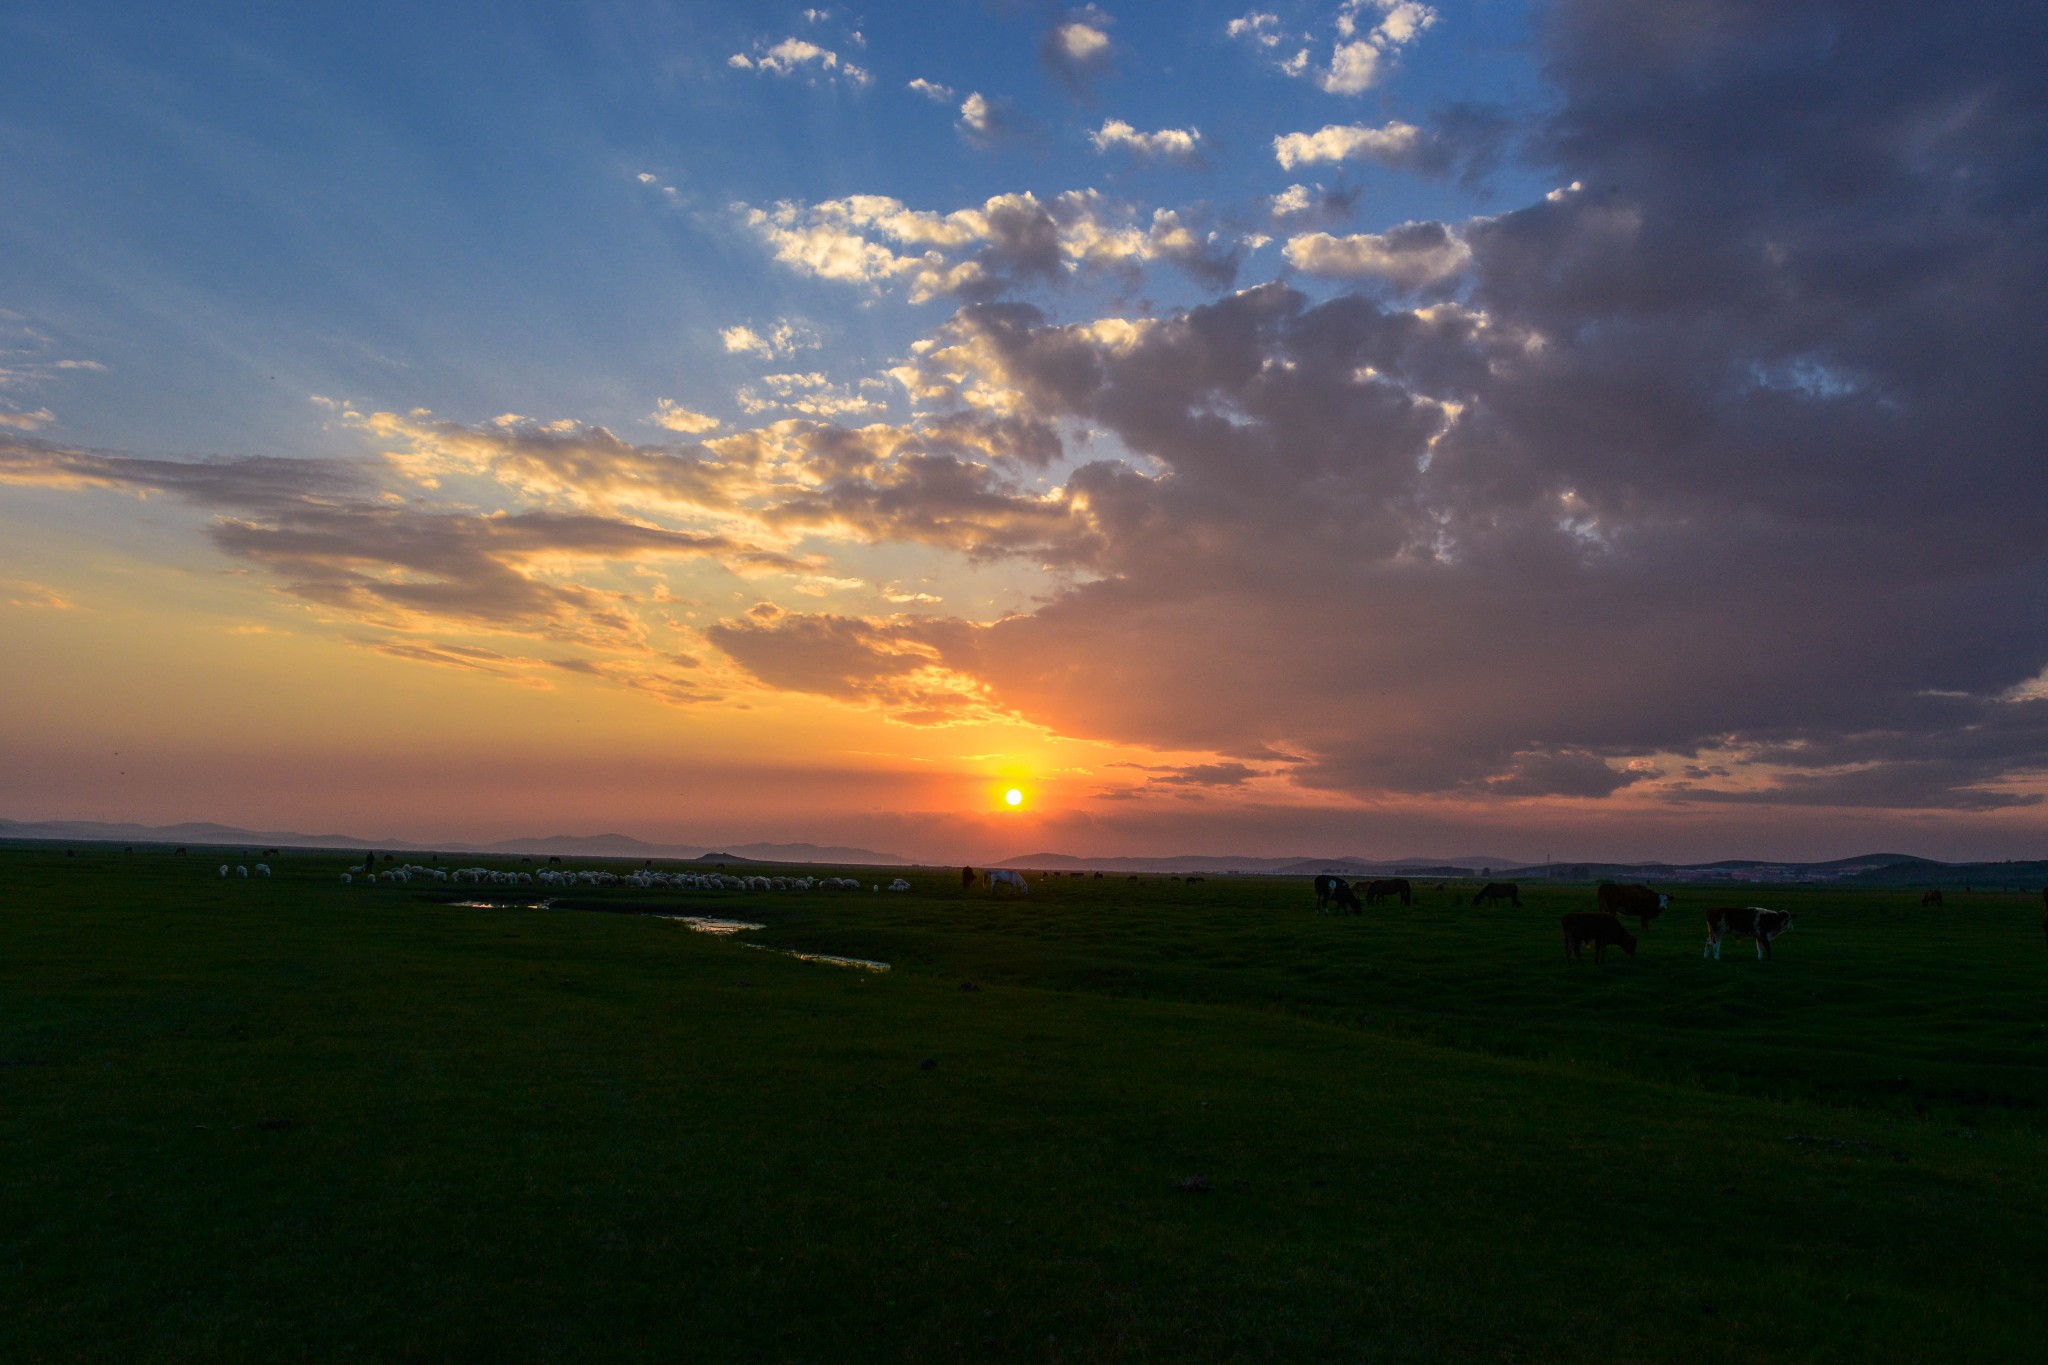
<point>263,869</point>
<point>346,879</point>
<point>243,870</point>
<point>223,869</point>
<point>899,885</point>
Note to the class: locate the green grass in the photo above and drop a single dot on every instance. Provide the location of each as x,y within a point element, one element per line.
<point>289,1119</point>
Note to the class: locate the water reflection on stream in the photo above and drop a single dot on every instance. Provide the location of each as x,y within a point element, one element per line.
<point>865,964</point>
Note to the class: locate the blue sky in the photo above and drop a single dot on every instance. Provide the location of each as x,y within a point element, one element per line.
<point>232,207</point>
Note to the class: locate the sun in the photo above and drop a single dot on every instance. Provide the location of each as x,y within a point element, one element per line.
<point>1014,797</point>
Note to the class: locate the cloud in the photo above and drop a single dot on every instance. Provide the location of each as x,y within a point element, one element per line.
<point>26,421</point>
<point>324,535</point>
<point>1367,36</point>
<point>1302,205</point>
<point>1172,144</point>
<point>932,90</point>
<point>800,57</point>
<point>34,596</point>
<point>1077,49</point>
<point>985,122</point>
<point>676,418</point>
<point>1394,144</point>
<point>1256,27</point>
<point>981,252</point>
<point>1410,255</point>
<point>892,663</point>
<point>811,394</point>
<point>784,337</point>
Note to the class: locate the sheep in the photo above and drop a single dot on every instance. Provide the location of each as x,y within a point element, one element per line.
<point>223,869</point>
<point>243,870</point>
<point>263,869</point>
<point>899,885</point>
<point>346,879</point>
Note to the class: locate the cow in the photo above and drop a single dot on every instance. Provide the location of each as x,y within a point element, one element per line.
<point>1745,921</point>
<point>967,878</point>
<point>1375,892</point>
<point>1932,898</point>
<point>1636,900</point>
<point>1003,876</point>
<point>1335,889</point>
<point>1601,928</point>
<point>1498,891</point>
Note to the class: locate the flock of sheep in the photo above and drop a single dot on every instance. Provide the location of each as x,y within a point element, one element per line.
<point>567,880</point>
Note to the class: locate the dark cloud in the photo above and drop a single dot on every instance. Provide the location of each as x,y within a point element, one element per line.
<point>896,663</point>
<point>1729,452</point>
<point>334,534</point>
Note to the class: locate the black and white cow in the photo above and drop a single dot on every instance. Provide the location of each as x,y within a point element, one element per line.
<point>1745,921</point>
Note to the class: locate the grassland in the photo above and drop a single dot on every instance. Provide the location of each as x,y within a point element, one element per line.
<point>289,1119</point>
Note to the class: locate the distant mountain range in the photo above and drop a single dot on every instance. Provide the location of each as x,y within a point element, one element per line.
<point>563,845</point>
<point>1871,869</point>
<point>1277,867</point>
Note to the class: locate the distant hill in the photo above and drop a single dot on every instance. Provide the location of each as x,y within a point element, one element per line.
<point>1287,866</point>
<point>563,845</point>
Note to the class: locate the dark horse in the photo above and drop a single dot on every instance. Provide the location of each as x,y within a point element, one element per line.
<point>967,878</point>
<point>1932,898</point>
<point>1375,892</point>
<point>1498,891</point>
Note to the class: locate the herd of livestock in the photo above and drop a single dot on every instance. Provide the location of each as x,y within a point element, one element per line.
<point>1600,928</point>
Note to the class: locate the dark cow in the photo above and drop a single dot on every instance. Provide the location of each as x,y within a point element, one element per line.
<point>1932,898</point>
<point>1639,901</point>
<point>1375,892</point>
<point>1498,891</point>
<point>1329,889</point>
<point>1745,921</point>
<point>967,878</point>
<point>1600,928</point>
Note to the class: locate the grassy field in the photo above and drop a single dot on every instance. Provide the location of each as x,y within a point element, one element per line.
<point>289,1119</point>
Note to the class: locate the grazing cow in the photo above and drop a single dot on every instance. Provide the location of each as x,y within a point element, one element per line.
<point>1498,891</point>
<point>1601,928</point>
<point>1745,921</point>
<point>1639,901</point>
<point>1191,880</point>
<point>1375,892</point>
<point>1932,898</point>
<point>999,877</point>
<point>1335,889</point>
<point>967,878</point>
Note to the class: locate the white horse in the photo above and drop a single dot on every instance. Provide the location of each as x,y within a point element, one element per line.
<point>1003,876</point>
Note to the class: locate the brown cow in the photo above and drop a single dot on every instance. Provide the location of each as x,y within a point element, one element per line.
<point>1745,921</point>
<point>1600,928</point>
<point>1932,898</point>
<point>1498,891</point>
<point>1637,900</point>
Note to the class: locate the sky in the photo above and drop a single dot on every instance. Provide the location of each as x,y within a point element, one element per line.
<point>1602,429</point>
